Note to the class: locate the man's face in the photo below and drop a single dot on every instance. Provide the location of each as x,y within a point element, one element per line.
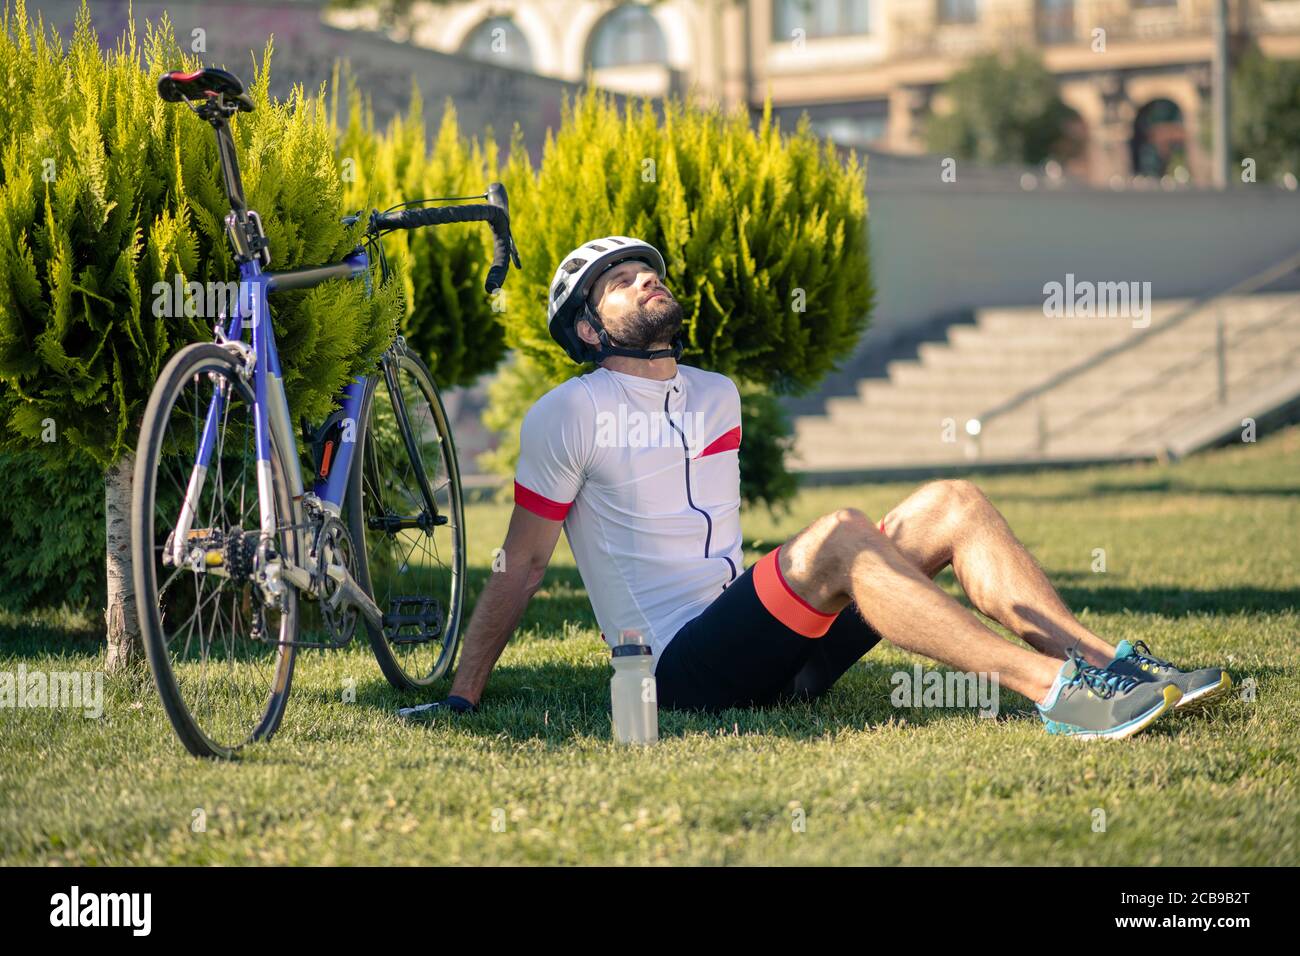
<point>636,308</point>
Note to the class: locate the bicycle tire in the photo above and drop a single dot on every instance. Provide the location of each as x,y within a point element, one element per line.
<point>358,501</point>
<point>188,362</point>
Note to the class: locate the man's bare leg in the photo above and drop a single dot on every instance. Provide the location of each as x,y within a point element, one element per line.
<point>843,557</point>
<point>952,522</point>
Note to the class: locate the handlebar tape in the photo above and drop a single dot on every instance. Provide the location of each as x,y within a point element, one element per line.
<point>494,216</point>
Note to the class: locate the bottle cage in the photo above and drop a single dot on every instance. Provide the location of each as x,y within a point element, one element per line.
<point>324,441</point>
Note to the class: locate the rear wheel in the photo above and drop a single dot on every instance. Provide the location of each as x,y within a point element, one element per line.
<point>406,517</point>
<point>217,652</point>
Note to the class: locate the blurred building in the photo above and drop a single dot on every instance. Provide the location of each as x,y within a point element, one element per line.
<point>958,331</point>
<point>487,95</point>
<point>1137,72</point>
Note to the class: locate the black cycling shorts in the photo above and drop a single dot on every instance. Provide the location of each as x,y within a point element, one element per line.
<point>759,644</point>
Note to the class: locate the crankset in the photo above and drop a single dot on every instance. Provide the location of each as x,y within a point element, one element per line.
<point>332,549</point>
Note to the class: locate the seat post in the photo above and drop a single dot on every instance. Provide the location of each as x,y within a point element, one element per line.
<point>243,226</point>
<point>220,96</point>
<point>229,165</point>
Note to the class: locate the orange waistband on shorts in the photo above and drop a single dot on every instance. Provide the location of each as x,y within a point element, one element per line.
<point>783,604</point>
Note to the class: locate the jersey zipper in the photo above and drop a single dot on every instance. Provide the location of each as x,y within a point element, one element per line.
<point>708,521</point>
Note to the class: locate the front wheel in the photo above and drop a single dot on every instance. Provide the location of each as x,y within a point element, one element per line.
<point>221,658</point>
<point>406,516</point>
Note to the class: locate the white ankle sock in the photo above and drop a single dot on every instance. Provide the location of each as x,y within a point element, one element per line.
<point>1055,688</point>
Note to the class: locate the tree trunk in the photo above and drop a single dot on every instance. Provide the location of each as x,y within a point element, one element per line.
<point>125,649</point>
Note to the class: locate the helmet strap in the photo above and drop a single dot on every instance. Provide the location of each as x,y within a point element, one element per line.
<point>609,347</point>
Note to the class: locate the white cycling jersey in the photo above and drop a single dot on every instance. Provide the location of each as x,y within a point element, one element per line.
<point>645,475</point>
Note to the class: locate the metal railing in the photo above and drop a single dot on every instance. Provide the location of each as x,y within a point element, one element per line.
<point>977,427</point>
<point>1219,351</point>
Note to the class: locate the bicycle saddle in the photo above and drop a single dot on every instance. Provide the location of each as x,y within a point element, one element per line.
<point>175,86</point>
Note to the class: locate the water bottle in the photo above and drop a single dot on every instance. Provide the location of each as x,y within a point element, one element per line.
<point>632,691</point>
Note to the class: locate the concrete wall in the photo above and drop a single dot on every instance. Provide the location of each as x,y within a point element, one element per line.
<point>938,253</point>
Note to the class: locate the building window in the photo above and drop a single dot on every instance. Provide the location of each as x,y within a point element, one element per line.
<point>627,36</point>
<point>820,18</point>
<point>857,131</point>
<point>1159,140</point>
<point>498,40</point>
<point>859,124</point>
<point>958,11</point>
<point>1055,20</point>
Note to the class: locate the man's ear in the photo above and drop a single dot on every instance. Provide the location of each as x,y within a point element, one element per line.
<point>585,332</point>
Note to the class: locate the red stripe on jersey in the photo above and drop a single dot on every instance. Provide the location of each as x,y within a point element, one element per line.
<point>724,442</point>
<point>540,505</point>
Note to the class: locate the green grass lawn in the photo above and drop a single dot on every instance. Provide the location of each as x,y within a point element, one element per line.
<point>1201,562</point>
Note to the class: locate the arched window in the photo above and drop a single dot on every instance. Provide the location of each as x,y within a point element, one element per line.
<point>498,40</point>
<point>627,36</point>
<point>1159,138</point>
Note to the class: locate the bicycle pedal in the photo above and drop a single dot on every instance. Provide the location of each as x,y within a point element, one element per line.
<point>413,620</point>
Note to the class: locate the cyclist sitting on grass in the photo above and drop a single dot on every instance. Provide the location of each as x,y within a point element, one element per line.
<point>638,462</point>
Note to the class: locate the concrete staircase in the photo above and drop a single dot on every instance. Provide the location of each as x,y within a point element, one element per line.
<point>1164,394</point>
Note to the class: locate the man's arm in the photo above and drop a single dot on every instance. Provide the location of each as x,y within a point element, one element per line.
<point>530,542</point>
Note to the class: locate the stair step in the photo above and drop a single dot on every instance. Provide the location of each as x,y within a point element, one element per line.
<point>1109,410</point>
<point>1233,309</point>
<point>1050,353</point>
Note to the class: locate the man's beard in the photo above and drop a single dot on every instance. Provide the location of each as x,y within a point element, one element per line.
<point>654,323</point>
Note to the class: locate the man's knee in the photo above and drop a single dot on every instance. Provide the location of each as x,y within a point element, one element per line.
<point>849,521</point>
<point>835,539</point>
<point>850,532</point>
<point>823,552</point>
<point>952,497</point>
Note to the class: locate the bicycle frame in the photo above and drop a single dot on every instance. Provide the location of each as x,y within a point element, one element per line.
<point>271,408</point>
<point>271,414</point>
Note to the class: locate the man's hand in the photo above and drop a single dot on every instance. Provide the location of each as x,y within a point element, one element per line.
<point>529,544</point>
<point>457,705</point>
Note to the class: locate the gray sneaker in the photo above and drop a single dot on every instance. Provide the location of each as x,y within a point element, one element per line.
<point>1090,702</point>
<point>1198,687</point>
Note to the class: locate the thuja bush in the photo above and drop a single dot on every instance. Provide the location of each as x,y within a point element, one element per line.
<point>108,194</point>
<point>447,317</point>
<point>108,197</point>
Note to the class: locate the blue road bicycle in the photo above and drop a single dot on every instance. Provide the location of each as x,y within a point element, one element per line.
<point>237,566</point>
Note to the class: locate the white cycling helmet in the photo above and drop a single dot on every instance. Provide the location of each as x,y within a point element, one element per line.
<point>574,278</point>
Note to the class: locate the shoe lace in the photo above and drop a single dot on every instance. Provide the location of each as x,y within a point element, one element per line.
<point>1102,682</point>
<point>1144,655</point>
